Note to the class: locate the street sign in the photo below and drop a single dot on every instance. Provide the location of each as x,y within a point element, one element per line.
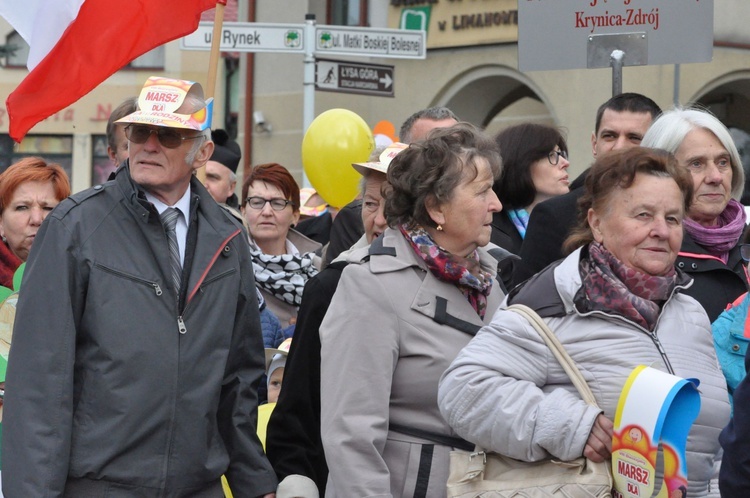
<point>354,77</point>
<point>553,34</point>
<point>329,40</point>
<point>391,43</point>
<point>248,37</point>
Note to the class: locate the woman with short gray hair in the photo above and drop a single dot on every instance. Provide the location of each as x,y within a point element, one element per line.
<point>716,220</point>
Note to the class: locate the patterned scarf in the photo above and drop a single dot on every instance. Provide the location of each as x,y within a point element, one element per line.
<point>520,218</point>
<point>720,239</point>
<point>465,273</point>
<point>284,275</point>
<point>610,286</point>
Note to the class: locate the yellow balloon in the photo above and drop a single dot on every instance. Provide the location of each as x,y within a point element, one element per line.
<point>336,139</point>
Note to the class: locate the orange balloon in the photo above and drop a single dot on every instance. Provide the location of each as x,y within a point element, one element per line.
<point>385,128</point>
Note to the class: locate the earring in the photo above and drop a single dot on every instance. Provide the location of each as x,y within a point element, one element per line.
<point>440,228</point>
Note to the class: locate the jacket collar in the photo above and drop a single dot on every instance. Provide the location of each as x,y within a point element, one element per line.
<point>302,242</point>
<point>438,300</point>
<point>690,247</point>
<point>568,279</point>
<point>215,227</point>
<point>383,261</point>
<point>502,222</point>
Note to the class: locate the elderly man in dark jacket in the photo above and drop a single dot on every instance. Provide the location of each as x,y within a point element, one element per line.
<point>137,355</point>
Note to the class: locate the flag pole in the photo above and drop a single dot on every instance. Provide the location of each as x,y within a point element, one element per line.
<point>213,62</point>
<point>213,65</point>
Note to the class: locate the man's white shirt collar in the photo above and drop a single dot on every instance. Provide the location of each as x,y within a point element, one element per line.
<point>182,221</point>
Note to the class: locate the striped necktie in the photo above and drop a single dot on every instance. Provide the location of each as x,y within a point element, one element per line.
<point>169,220</point>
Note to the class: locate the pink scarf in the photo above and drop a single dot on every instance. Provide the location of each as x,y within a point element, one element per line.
<point>719,240</point>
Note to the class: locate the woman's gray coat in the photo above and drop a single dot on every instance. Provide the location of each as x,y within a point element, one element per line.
<point>390,332</point>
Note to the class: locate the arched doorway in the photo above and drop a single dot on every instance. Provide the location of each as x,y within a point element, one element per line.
<point>496,97</point>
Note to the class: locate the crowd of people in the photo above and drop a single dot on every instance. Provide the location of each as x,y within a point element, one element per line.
<point>173,339</point>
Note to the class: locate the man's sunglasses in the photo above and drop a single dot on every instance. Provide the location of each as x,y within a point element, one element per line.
<point>168,137</point>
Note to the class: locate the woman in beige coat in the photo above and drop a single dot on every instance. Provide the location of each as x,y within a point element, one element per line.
<point>402,311</point>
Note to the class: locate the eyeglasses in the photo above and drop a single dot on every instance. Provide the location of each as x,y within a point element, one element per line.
<point>745,252</point>
<point>168,137</point>
<point>555,155</point>
<point>276,204</point>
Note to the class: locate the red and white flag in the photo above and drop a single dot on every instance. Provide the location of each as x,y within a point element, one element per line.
<point>77,44</point>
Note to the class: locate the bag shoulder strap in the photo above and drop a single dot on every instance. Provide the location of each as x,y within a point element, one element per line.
<point>558,350</point>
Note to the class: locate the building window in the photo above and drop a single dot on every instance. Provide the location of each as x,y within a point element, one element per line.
<point>16,50</point>
<point>347,12</point>
<point>101,165</point>
<point>52,148</point>
<point>150,60</point>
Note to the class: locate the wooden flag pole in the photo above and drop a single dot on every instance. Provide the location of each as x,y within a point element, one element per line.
<point>213,65</point>
<point>213,62</point>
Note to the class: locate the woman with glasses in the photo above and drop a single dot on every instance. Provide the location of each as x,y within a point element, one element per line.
<point>283,259</point>
<point>716,220</point>
<point>535,168</point>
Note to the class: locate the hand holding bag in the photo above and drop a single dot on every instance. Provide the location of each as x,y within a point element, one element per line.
<point>491,475</point>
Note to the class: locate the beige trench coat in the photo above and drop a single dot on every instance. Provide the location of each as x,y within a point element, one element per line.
<point>390,333</point>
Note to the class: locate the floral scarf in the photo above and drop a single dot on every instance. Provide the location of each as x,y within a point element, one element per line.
<point>610,286</point>
<point>520,219</point>
<point>284,275</point>
<point>465,273</point>
<point>719,240</point>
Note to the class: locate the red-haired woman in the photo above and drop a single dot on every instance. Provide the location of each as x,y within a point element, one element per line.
<point>29,190</point>
<point>283,259</point>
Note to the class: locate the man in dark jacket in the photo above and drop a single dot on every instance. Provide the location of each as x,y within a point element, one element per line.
<point>139,378</point>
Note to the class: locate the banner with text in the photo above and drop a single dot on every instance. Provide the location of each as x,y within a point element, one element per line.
<point>655,408</point>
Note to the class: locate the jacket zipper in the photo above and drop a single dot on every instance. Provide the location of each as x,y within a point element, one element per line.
<point>154,285</point>
<point>201,282</point>
<point>180,321</point>
<point>652,335</point>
